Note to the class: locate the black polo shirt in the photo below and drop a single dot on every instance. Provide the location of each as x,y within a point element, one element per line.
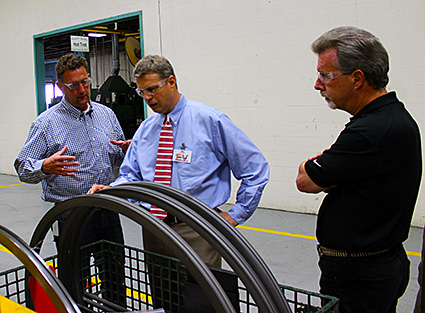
<point>376,165</point>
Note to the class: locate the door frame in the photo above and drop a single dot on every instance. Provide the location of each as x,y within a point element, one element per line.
<point>39,69</point>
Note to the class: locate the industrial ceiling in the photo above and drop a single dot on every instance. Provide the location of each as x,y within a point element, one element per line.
<point>57,45</point>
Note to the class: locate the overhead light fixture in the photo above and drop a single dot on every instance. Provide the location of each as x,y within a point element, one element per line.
<point>96,35</point>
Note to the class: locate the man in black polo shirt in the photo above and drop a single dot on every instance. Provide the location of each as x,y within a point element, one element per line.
<point>371,175</point>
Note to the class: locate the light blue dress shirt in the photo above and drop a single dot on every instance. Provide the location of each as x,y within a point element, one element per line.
<point>87,135</point>
<point>217,146</point>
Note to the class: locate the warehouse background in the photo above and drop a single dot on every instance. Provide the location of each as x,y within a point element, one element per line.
<point>248,58</point>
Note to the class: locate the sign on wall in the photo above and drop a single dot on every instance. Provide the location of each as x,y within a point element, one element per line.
<point>79,43</point>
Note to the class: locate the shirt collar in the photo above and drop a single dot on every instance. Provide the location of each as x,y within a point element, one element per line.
<point>376,104</point>
<point>177,111</point>
<point>73,111</point>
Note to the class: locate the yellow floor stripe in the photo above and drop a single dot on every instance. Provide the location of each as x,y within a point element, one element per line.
<point>132,293</point>
<point>269,231</point>
<point>12,185</point>
<point>282,233</point>
<point>138,295</point>
<point>414,253</point>
<point>10,306</point>
<point>276,232</point>
<point>2,248</point>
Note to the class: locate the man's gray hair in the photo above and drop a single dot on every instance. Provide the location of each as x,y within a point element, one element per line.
<point>357,49</point>
<point>153,63</point>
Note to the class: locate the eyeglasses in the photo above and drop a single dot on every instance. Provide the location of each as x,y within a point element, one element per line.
<point>327,76</point>
<point>74,85</point>
<point>152,90</point>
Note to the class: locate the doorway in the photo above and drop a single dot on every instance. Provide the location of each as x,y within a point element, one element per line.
<point>114,46</point>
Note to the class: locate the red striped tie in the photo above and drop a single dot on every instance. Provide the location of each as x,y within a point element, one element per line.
<point>164,162</point>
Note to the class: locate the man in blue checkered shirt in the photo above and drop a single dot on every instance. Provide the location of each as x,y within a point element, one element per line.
<point>70,147</point>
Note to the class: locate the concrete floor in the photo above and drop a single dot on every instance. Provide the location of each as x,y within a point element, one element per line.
<point>284,240</point>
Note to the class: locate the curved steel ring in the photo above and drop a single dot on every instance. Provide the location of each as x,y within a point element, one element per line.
<point>182,250</point>
<point>39,269</point>
<point>236,250</point>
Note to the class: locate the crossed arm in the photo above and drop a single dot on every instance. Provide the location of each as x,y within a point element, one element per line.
<point>304,182</point>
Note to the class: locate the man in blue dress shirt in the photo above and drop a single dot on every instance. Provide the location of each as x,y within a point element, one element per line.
<point>213,145</point>
<point>70,147</point>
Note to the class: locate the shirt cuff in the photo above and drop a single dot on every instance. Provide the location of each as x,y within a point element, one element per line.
<point>118,181</point>
<point>239,214</point>
<point>38,168</point>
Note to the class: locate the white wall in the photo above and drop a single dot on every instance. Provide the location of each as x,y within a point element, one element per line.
<point>249,58</point>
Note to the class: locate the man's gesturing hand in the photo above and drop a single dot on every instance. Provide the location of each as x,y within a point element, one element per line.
<point>122,144</point>
<point>59,164</point>
<point>95,188</point>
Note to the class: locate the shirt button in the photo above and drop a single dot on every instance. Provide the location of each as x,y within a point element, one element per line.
<point>94,139</point>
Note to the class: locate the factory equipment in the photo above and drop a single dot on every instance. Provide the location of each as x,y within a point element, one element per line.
<point>121,97</point>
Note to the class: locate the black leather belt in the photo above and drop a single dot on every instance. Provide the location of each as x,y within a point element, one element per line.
<point>346,254</point>
<point>171,219</point>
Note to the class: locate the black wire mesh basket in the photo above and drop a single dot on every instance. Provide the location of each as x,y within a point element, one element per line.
<point>104,289</point>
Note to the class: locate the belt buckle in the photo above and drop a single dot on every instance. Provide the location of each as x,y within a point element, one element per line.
<point>171,219</point>
<point>319,250</point>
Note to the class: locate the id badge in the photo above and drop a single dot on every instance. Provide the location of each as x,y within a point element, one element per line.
<point>184,156</point>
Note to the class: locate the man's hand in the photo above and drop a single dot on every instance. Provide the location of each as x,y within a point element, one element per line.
<point>58,164</point>
<point>95,188</point>
<point>122,144</point>
<point>229,218</point>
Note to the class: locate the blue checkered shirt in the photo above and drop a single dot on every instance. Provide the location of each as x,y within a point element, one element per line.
<point>87,135</point>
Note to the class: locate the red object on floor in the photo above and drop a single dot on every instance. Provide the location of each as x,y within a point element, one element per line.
<point>42,302</point>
